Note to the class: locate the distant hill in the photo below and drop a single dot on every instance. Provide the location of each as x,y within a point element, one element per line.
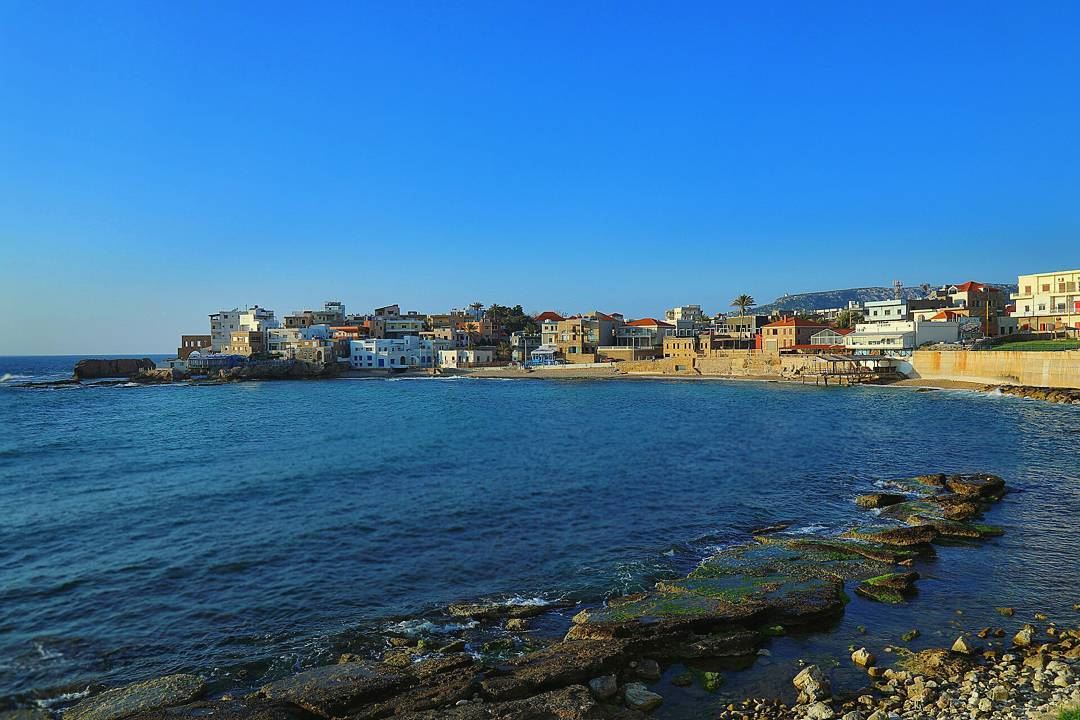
<point>840,298</point>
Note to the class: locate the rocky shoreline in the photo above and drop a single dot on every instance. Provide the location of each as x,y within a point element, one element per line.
<point>610,662</point>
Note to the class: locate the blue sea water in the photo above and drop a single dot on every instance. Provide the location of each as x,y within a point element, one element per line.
<point>246,530</point>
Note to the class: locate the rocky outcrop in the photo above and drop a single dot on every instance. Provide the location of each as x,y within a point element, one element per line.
<point>91,369</point>
<point>878,500</point>
<point>1068,396</point>
<point>140,697</point>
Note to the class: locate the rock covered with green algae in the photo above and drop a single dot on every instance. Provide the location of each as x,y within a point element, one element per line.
<point>889,587</point>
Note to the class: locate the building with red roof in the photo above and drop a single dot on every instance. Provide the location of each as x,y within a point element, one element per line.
<point>788,332</point>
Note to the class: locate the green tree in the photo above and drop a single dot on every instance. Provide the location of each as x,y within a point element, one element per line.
<point>744,302</point>
<point>848,318</point>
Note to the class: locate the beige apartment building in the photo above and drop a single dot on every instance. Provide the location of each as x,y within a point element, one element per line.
<point>1046,302</point>
<point>245,342</point>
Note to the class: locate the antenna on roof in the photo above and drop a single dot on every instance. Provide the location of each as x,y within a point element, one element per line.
<point>898,289</point>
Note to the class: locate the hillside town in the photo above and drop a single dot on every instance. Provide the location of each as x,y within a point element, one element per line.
<point>968,315</point>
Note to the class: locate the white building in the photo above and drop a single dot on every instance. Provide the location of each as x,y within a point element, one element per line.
<point>900,336</point>
<point>459,358</point>
<point>877,311</point>
<point>391,353</point>
<point>226,322</point>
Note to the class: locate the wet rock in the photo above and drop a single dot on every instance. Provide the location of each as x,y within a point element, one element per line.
<point>818,711</point>
<point>938,664</point>
<point>516,624</point>
<point>639,697</point>
<point>863,658</point>
<point>1006,611</point>
<point>812,684</point>
<point>453,647</point>
<point>121,702</point>
<point>648,669</point>
<point>1025,636</point>
<point>932,480</point>
<point>492,611</point>
<point>226,709</point>
<point>90,369</point>
<point>569,703</point>
<point>983,485</point>
<point>336,690</point>
<point>878,500</point>
<point>568,662</point>
<point>899,536</point>
<point>963,646</point>
<point>603,687</point>
<point>25,714</point>
<point>683,679</point>
<point>889,587</point>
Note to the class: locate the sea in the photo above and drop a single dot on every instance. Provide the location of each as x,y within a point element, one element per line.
<point>245,531</point>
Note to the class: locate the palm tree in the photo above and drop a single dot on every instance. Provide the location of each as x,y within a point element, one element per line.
<point>744,302</point>
<point>476,307</point>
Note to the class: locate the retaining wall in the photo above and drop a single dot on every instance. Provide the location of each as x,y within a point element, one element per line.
<point>1059,369</point>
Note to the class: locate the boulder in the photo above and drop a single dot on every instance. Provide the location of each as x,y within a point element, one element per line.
<point>878,500</point>
<point>648,669</point>
<point>1025,636</point>
<point>963,646</point>
<point>982,485</point>
<point>888,588</point>
<point>812,685</point>
<point>492,611</point>
<point>603,687</point>
<point>818,711</point>
<point>90,368</point>
<point>639,697</point>
<point>148,695</point>
<point>863,657</point>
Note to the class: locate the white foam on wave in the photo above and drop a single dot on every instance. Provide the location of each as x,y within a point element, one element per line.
<point>62,698</point>
<point>47,654</point>
<point>808,530</point>
<point>419,626</point>
<point>10,377</point>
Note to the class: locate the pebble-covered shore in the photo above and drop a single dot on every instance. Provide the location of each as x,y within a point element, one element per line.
<point>1035,677</point>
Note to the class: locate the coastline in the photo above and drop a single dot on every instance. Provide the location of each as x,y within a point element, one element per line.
<point>621,658</point>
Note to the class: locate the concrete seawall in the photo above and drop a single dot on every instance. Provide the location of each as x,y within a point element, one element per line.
<point>1036,369</point>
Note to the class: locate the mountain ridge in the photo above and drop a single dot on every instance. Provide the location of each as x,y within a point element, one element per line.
<point>827,299</point>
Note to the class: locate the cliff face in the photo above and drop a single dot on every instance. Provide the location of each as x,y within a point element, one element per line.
<point>119,367</point>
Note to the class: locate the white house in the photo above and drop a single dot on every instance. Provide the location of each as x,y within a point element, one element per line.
<point>899,336</point>
<point>226,322</point>
<point>390,353</point>
<point>460,358</point>
<point>877,311</point>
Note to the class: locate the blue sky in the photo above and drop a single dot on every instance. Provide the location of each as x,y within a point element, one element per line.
<point>159,160</point>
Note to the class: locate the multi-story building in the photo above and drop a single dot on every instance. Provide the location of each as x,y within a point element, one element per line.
<point>577,338</point>
<point>191,343</point>
<point>1048,302</point>
<point>224,323</point>
<point>402,326</point>
<point>743,327</point>
<point>282,341</point>
<point>900,336</point>
<point>522,343</point>
<point>885,310</point>
<point>549,326</point>
<point>245,342</point>
<point>643,333</point>
<point>788,332</point>
<point>392,353</point>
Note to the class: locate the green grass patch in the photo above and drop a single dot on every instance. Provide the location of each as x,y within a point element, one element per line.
<point>1040,346</point>
<point>1069,714</point>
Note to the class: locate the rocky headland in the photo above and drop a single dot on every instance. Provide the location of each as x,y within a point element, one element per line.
<point>610,662</point>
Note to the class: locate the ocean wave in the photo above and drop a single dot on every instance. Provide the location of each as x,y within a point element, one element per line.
<point>62,699</point>
<point>12,377</point>
<point>421,626</point>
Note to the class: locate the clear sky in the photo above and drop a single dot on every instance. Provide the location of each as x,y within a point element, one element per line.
<point>161,160</point>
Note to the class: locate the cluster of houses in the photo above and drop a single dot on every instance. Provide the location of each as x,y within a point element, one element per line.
<point>389,339</point>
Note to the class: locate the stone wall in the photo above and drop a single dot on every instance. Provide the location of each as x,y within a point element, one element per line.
<point>734,363</point>
<point>1059,369</point>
